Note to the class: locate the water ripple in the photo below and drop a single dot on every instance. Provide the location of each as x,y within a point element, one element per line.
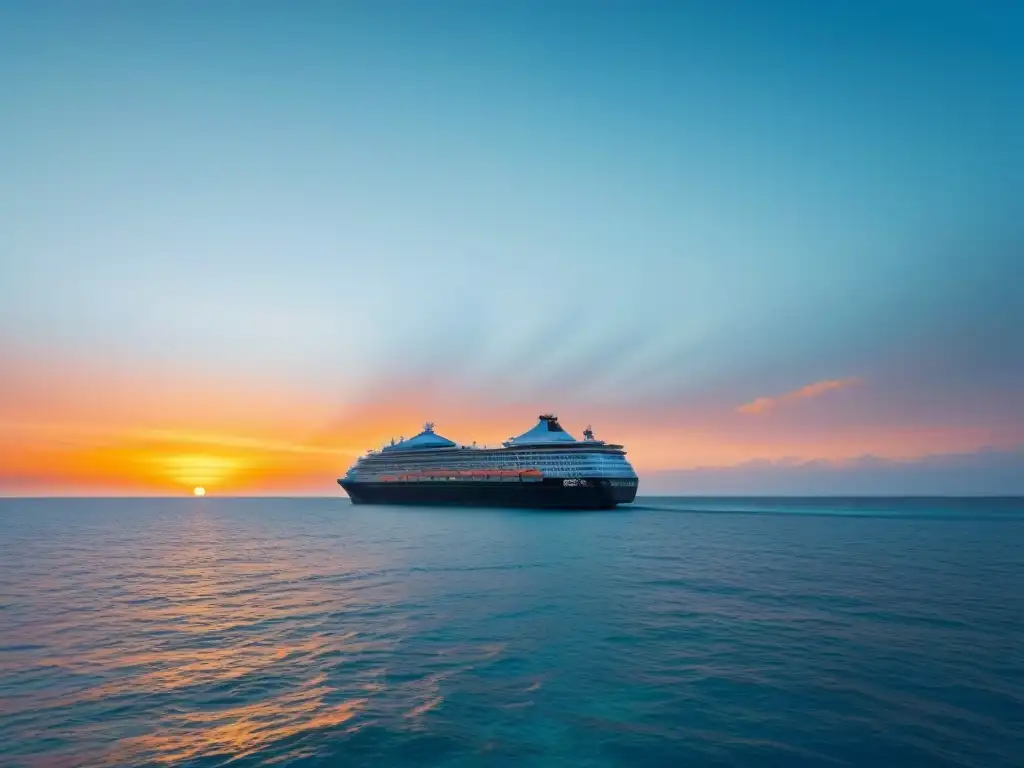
<point>700,632</point>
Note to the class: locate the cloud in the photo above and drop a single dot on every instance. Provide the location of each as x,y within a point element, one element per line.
<point>986,471</point>
<point>764,404</point>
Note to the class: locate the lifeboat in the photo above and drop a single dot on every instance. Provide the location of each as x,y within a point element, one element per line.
<point>531,475</point>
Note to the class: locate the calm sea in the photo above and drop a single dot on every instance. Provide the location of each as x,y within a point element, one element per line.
<point>678,632</point>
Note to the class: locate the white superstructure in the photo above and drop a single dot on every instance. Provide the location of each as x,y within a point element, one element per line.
<point>546,448</point>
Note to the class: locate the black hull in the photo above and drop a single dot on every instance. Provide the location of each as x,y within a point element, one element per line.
<point>547,494</point>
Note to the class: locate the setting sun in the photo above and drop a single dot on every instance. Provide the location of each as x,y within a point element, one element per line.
<point>199,491</point>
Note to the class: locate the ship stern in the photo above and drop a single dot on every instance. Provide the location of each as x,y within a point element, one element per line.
<point>623,491</point>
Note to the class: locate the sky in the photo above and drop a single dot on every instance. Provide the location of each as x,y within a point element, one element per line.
<point>769,247</point>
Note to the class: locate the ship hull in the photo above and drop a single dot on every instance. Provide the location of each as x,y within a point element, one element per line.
<point>549,493</point>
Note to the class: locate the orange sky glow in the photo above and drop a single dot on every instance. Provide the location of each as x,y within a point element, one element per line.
<point>93,433</point>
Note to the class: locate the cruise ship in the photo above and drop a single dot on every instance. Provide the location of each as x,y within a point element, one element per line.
<point>543,467</point>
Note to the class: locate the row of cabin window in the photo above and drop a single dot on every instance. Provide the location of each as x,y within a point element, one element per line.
<point>540,460</point>
<point>461,466</point>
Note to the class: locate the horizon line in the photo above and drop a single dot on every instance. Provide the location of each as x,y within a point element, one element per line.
<point>208,497</point>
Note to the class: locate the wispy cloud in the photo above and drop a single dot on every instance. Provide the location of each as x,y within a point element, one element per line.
<point>765,404</point>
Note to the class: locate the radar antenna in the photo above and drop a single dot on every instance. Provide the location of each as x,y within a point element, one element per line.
<point>428,427</point>
<point>588,433</point>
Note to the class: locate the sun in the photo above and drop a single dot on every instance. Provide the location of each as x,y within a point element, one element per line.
<point>199,491</point>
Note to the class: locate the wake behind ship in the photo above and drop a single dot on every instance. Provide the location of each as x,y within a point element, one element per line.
<point>543,467</point>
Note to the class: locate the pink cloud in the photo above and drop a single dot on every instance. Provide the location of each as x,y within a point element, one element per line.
<point>764,404</point>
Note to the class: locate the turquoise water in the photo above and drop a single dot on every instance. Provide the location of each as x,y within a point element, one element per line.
<point>677,632</point>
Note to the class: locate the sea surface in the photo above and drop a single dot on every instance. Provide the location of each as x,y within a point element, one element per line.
<point>676,632</point>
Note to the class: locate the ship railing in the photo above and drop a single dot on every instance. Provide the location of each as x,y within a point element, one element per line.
<point>501,475</point>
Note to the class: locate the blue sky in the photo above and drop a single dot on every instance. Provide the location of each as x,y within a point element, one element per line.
<point>640,209</point>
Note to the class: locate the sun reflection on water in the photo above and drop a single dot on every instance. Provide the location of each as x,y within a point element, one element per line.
<point>229,640</point>
<point>237,732</point>
<point>200,635</point>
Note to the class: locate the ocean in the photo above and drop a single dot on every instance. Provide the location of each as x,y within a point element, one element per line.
<point>674,632</point>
